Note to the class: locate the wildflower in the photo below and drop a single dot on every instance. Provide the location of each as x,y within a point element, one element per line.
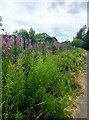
<point>30,47</point>
<point>4,43</point>
<point>8,48</point>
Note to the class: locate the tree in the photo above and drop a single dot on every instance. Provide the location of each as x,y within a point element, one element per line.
<point>77,43</point>
<point>82,32</point>
<point>86,40</point>
<point>40,37</point>
<point>31,35</point>
<point>16,32</point>
<point>24,34</point>
<point>0,21</point>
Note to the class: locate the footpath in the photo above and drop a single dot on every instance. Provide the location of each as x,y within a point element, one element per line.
<point>82,101</point>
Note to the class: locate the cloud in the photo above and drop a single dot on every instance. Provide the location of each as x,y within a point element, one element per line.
<point>57,4</point>
<point>76,7</point>
<point>59,19</point>
<point>88,14</point>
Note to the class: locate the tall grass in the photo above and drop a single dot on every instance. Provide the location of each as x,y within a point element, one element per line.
<point>39,87</point>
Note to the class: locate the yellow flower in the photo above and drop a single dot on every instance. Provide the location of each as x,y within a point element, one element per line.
<point>8,48</point>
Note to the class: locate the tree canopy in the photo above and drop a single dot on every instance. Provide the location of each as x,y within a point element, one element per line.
<point>83,34</point>
<point>39,37</point>
<point>86,39</point>
<point>31,33</point>
<point>77,43</point>
<point>0,21</point>
<point>16,32</point>
<point>24,33</point>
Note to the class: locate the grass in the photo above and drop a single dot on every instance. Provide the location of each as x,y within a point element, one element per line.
<point>42,87</point>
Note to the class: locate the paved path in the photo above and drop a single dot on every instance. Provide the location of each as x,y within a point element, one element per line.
<point>82,102</point>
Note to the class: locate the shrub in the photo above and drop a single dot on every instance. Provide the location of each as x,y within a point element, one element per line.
<point>78,43</point>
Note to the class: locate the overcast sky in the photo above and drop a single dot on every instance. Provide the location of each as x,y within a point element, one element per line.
<point>59,19</point>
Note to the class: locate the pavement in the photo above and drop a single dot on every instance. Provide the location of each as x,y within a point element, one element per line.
<point>83,99</point>
<point>82,102</point>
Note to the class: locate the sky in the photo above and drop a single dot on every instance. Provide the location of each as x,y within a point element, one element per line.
<point>54,17</point>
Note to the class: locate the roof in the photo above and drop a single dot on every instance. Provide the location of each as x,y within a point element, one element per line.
<point>55,38</point>
<point>46,35</point>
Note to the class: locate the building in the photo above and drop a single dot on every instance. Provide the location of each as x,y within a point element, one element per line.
<point>65,45</point>
<point>49,39</point>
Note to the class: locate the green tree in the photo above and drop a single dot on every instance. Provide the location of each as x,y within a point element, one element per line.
<point>77,43</point>
<point>16,32</point>
<point>24,34</point>
<point>86,40</point>
<point>0,21</point>
<point>40,37</point>
<point>81,33</point>
<point>31,35</point>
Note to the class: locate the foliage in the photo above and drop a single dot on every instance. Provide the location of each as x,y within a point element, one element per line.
<point>83,34</point>
<point>38,88</point>
<point>24,33</point>
<point>39,37</point>
<point>86,39</point>
<point>32,35</point>
<point>0,21</point>
<point>77,43</point>
<point>16,32</point>
<point>15,50</point>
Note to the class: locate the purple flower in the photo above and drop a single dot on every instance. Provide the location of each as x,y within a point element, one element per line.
<point>30,47</point>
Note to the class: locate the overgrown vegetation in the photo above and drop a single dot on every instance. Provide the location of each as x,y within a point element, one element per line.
<point>41,86</point>
<point>78,43</point>
<point>82,38</point>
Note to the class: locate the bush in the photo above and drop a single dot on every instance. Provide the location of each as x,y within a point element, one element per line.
<point>77,43</point>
